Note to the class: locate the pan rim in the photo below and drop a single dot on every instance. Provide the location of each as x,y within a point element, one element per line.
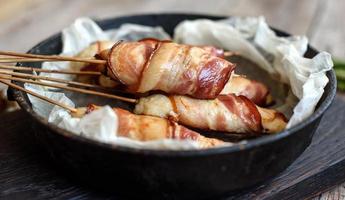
<point>250,144</point>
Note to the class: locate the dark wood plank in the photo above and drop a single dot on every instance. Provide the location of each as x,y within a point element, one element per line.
<point>318,169</point>
<point>26,174</point>
<point>327,33</point>
<point>24,171</point>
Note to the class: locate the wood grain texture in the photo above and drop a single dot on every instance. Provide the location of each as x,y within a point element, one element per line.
<point>24,171</point>
<point>327,33</point>
<point>317,169</point>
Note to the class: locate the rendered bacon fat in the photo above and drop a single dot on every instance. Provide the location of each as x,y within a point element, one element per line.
<point>148,128</point>
<point>229,113</point>
<point>151,64</point>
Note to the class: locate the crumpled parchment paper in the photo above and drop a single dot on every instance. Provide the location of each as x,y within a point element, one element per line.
<point>280,56</point>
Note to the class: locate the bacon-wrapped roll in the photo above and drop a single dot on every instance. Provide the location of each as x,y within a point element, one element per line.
<point>173,68</point>
<point>148,128</point>
<point>229,113</point>
<point>257,92</point>
<point>239,85</point>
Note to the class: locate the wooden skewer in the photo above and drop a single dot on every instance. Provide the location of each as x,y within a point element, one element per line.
<point>85,91</point>
<point>53,57</point>
<point>22,59</point>
<point>39,96</point>
<point>10,58</point>
<point>35,77</point>
<point>31,69</point>
<point>15,60</point>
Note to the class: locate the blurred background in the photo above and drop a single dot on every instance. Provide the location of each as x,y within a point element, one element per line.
<point>23,23</point>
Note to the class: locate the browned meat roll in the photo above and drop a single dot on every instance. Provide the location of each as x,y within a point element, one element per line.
<point>148,128</point>
<point>228,113</point>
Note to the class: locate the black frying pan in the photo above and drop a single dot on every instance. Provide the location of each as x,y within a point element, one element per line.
<point>174,174</point>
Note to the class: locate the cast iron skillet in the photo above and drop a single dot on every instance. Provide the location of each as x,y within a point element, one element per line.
<point>174,174</point>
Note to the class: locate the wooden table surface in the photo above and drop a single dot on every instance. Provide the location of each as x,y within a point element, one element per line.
<point>23,23</point>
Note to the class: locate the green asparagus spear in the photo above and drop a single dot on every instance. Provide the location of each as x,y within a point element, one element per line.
<point>339,67</point>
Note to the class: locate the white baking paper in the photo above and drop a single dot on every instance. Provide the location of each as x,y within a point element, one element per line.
<point>85,31</point>
<point>280,56</point>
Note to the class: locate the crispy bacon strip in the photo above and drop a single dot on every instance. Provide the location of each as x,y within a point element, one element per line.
<point>173,68</point>
<point>229,113</point>
<point>255,91</point>
<point>148,128</point>
<point>239,85</point>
